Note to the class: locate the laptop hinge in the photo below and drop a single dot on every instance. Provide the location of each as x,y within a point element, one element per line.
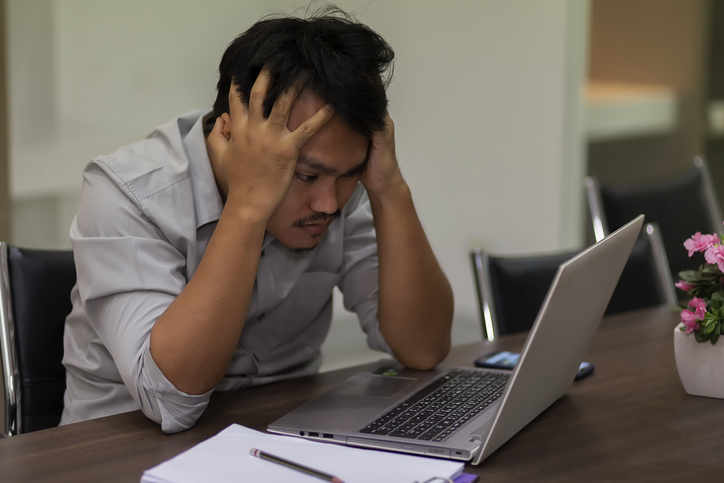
<point>477,453</point>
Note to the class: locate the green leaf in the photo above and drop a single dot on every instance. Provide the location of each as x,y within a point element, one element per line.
<point>701,337</point>
<point>714,337</point>
<point>710,270</point>
<point>689,275</point>
<point>708,329</point>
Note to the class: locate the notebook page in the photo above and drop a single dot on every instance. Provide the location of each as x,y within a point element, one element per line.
<point>225,458</point>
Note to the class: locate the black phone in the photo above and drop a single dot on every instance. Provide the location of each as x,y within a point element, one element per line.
<point>508,360</point>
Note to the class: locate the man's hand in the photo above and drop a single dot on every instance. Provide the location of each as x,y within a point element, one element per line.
<point>254,157</point>
<point>382,176</point>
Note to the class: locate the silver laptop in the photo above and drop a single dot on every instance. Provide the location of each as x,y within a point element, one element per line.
<point>399,409</point>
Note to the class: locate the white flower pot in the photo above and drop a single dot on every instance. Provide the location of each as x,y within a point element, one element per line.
<point>700,364</point>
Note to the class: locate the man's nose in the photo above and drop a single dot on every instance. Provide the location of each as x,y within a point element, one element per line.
<point>324,199</point>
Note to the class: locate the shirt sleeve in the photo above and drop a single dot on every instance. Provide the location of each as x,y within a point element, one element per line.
<point>360,278</point>
<point>128,274</point>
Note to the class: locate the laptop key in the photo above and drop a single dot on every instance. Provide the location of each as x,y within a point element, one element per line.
<point>438,410</point>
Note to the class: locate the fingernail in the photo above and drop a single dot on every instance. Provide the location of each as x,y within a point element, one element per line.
<point>330,107</point>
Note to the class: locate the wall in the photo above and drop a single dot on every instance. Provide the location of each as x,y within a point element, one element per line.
<point>650,42</point>
<point>715,94</point>
<point>486,101</point>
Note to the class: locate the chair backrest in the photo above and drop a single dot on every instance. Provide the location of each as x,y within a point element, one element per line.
<point>681,207</point>
<point>511,290</point>
<point>35,288</point>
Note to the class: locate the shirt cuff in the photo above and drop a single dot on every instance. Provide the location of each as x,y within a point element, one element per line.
<point>174,409</point>
<point>367,314</point>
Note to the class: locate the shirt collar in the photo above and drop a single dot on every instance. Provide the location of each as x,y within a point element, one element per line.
<point>268,239</point>
<point>207,200</point>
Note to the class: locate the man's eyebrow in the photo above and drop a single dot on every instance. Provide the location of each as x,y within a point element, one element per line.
<point>316,165</point>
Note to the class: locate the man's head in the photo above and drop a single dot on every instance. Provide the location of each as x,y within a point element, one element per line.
<point>328,54</point>
<point>334,60</point>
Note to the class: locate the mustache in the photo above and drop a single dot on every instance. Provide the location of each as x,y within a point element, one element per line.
<point>317,218</point>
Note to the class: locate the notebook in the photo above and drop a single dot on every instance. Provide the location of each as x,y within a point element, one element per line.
<point>226,458</point>
<point>364,410</point>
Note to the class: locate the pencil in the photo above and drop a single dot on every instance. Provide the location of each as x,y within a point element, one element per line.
<point>294,466</point>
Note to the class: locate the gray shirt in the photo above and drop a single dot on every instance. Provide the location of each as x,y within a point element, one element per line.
<point>145,217</point>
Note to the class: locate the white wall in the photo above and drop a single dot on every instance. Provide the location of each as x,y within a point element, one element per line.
<point>485,100</point>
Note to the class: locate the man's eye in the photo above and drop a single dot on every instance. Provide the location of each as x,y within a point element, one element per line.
<point>305,177</point>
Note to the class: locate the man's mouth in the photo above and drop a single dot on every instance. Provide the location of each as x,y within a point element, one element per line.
<point>316,228</point>
<point>317,223</point>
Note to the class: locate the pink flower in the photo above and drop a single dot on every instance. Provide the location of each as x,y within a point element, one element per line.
<point>699,306</point>
<point>684,285</point>
<point>699,242</point>
<point>689,320</point>
<point>715,254</point>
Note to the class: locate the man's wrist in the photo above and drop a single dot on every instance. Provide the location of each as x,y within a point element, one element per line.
<point>246,213</point>
<point>393,193</point>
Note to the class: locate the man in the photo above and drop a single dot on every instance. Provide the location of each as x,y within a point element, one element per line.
<point>207,253</point>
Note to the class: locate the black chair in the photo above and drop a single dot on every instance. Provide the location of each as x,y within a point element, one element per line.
<point>681,207</point>
<point>35,288</point>
<point>511,290</point>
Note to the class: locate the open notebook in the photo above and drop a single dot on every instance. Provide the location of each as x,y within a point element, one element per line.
<point>225,458</point>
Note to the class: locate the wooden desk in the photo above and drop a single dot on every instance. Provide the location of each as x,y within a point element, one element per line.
<point>630,421</point>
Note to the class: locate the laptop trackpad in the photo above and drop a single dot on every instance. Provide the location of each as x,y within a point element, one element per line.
<point>378,386</point>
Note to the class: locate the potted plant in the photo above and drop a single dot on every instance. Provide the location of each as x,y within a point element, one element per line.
<point>699,354</point>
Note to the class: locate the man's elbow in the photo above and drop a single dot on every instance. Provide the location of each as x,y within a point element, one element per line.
<point>425,360</point>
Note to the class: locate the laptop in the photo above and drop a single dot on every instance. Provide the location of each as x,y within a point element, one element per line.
<point>397,409</point>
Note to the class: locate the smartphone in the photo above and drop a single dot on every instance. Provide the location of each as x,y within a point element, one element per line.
<point>508,360</point>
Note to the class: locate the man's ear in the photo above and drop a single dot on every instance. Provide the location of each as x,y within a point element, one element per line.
<point>227,125</point>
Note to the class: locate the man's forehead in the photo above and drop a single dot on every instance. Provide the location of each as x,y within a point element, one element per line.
<point>304,107</point>
<point>335,149</point>
<point>331,167</point>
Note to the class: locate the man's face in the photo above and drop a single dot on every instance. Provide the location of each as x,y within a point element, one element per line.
<point>326,175</point>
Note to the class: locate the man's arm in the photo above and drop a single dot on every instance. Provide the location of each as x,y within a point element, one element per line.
<point>194,340</point>
<point>415,301</point>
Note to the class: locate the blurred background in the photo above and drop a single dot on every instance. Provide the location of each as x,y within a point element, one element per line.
<point>501,108</point>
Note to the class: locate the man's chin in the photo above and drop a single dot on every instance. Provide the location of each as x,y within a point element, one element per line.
<point>300,247</point>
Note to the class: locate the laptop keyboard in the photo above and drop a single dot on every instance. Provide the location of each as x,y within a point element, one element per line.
<point>437,410</point>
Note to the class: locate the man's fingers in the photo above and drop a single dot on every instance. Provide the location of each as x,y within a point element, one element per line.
<point>310,127</point>
<point>389,125</point>
<point>217,140</point>
<point>279,114</point>
<point>236,107</point>
<point>258,92</point>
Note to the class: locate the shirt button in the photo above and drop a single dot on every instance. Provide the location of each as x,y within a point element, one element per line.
<point>261,316</point>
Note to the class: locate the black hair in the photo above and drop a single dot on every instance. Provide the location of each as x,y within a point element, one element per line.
<point>329,53</point>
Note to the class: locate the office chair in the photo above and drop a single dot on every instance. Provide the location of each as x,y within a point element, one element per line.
<point>35,288</point>
<point>681,207</point>
<point>511,290</point>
